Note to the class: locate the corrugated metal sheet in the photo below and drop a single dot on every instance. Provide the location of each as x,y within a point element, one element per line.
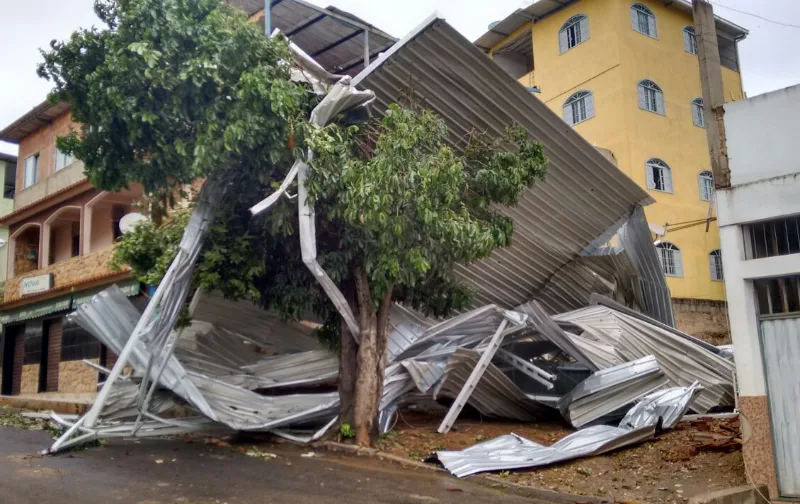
<point>333,37</point>
<point>584,194</point>
<point>780,341</point>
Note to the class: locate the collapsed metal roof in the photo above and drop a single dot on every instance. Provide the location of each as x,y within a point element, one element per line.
<point>584,199</point>
<point>337,40</point>
<point>540,9</point>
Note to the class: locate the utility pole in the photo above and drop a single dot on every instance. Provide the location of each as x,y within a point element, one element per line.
<point>713,95</point>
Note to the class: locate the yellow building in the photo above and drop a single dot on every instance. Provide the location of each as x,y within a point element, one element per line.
<point>625,75</point>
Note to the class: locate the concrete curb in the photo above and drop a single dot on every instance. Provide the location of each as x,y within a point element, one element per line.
<point>28,404</point>
<point>486,480</point>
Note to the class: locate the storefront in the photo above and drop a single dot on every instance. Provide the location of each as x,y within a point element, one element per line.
<point>44,351</point>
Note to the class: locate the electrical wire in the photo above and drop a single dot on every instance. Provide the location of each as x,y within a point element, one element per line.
<point>787,25</point>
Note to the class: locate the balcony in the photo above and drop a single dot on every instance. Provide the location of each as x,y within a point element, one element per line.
<point>50,184</point>
<point>75,270</point>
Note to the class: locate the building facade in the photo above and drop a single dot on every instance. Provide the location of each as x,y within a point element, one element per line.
<point>625,75</point>
<point>8,170</point>
<point>61,235</point>
<point>759,218</point>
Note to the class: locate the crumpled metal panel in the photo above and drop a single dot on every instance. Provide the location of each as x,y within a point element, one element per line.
<point>515,452</point>
<point>682,359</point>
<point>665,406</point>
<point>606,392</point>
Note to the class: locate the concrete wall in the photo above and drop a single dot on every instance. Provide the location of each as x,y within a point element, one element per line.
<point>610,64</point>
<point>762,135</point>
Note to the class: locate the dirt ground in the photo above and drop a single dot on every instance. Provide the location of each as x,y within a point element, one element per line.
<point>669,469</point>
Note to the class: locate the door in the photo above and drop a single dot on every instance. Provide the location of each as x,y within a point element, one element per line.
<point>780,343</point>
<point>8,360</point>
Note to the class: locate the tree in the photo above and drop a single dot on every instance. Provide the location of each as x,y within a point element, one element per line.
<point>174,90</point>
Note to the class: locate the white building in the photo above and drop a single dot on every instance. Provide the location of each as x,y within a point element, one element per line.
<point>759,221</point>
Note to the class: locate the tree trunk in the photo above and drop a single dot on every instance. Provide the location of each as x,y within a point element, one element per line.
<point>348,352</point>
<point>371,361</point>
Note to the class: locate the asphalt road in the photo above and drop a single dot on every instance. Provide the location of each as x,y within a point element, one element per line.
<point>176,472</point>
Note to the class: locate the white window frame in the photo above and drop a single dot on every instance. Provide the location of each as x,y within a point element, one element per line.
<point>698,113</point>
<point>642,17</point>
<point>706,183</point>
<point>574,32</point>
<point>63,159</point>
<point>30,175</point>
<point>689,40</point>
<point>651,97</point>
<point>671,259</point>
<point>578,108</point>
<point>659,171</point>
<point>715,265</point>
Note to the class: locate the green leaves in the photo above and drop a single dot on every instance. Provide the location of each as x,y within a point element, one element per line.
<point>410,207</point>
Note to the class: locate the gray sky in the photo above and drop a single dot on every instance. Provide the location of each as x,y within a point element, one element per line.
<point>768,58</point>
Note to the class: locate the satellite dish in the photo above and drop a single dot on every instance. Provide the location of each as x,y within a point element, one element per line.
<point>128,222</point>
<point>2,243</point>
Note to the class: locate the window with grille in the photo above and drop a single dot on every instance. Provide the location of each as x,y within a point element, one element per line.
<point>698,113</point>
<point>651,98</point>
<point>771,238</point>
<point>579,107</point>
<point>643,20</point>
<point>706,185</point>
<point>715,263</point>
<point>778,296</point>
<point>77,343</point>
<point>574,31</point>
<point>33,343</point>
<point>659,175</point>
<point>689,40</point>
<point>671,261</point>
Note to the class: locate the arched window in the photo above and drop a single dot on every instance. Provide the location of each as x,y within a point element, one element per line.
<point>715,263</point>
<point>579,107</point>
<point>706,185</point>
<point>574,31</point>
<point>643,20</point>
<point>659,175</point>
<point>698,113</point>
<point>689,40</point>
<point>671,261</point>
<point>651,98</point>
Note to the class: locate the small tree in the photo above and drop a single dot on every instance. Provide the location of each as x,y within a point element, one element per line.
<point>174,90</point>
<point>405,208</point>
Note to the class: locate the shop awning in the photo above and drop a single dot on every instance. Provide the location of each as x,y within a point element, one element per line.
<point>61,303</point>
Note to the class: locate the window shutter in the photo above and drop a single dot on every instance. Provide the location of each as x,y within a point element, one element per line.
<point>634,19</point>
<point>712,264</point>
<point>568,113</point>
<point>651,183</point>
<point>676,256</point>
<point>642,97</point>
<point>695,114</point>
<point>660,103</point>
<point>666,174</point>
<point>702,184</point>
<point>687,44</point>
<point>584,26</point>
<point>589,101</point>
<point>651,21</point>
<point>563,42</point>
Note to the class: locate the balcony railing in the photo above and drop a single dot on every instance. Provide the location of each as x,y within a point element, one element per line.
<point>65,273</point>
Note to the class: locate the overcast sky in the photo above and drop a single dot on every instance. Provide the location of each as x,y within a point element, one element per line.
<point>768,58</point>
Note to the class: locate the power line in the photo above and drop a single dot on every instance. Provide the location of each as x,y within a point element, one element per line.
<point>788,25</point>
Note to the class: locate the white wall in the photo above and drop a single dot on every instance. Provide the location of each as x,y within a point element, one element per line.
<point>762,134</point>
